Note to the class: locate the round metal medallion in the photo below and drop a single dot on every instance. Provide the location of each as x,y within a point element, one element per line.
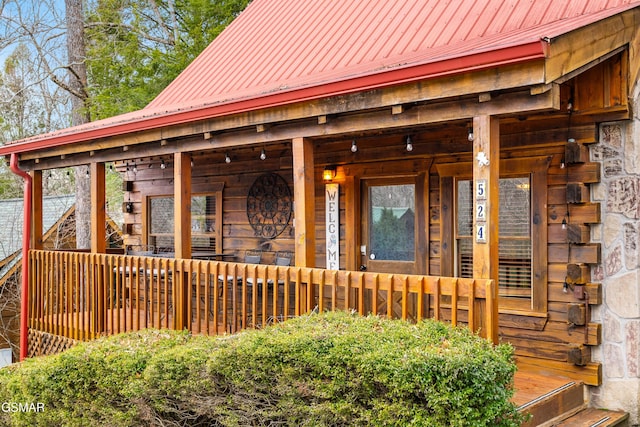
<point>269,205</point>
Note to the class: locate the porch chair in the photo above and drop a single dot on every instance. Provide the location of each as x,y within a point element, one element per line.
<point>251,256</point>
<point>283,258</point>
<point>140,250</point>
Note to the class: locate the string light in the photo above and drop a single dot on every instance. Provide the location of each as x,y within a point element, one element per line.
<point>409,145</point>
<point>263,155</point>
<point>163,165</point>
<point>354,146</point>
<point>227,159</point>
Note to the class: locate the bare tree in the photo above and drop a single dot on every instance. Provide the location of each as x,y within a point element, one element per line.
<point>77,84</point>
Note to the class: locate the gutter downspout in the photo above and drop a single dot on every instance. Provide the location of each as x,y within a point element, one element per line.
<point>26,240</point>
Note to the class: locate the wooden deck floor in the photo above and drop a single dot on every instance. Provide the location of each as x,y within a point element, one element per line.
<point>556,401</point>
<point>531,386</point>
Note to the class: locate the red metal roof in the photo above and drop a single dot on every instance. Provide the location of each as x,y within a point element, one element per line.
<point>278,52</point>
<point>280,45</point>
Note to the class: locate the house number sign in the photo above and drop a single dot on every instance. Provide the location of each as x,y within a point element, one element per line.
<point>481,210</point>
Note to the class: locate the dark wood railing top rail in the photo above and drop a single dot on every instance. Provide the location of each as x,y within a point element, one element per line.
<point>85,295</point>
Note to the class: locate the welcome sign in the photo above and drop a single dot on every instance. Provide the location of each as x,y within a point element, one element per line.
<point>332,215</point>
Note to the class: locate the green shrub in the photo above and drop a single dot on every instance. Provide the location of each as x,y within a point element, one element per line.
<point>320,370</point>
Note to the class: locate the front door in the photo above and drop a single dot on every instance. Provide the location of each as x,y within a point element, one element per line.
<point>388,226</point>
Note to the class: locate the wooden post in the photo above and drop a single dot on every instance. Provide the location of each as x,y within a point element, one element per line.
<point>98,208</point>
<point>304,201</point>
<point>486,174</point>
<point>94,293</point>
<point>182,204</point>
<point>36,209</point>
<point>304,214</point>
<point>352,223</point>
<point>182,233</point>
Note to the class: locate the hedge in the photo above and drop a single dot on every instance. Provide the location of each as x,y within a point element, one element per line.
<point>333,369</point>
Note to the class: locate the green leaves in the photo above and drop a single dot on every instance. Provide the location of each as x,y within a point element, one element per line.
<point>135,48</point>
<point>333,369</point>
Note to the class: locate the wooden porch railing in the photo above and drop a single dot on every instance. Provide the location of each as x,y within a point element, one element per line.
<point>82,296</point>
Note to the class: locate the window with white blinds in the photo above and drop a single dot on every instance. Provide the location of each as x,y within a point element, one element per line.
<point>204,224</point>
<point>515,245</point>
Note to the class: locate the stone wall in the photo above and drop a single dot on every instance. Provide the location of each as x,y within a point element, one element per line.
<point>618,150</point>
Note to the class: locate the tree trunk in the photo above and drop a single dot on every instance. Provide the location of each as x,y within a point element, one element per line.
<point>78,84</point>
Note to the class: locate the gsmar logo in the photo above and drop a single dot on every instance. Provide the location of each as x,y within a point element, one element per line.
<point>22,407</point>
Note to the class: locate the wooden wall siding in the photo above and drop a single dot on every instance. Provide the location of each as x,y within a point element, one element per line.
<point>548,335</point>
<point>211,172</point>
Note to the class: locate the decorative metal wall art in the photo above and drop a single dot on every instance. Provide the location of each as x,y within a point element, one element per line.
<point>269,205</point>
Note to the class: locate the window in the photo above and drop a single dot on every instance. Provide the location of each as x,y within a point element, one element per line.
<point>392,222</point>
<point>206,231</point>
<point>514,249</point>
<point>522,247</point>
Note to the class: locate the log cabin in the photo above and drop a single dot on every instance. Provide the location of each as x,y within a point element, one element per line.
<point>476,162</point>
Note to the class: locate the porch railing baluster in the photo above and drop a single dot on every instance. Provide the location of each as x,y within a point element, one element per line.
<point>80,296</point>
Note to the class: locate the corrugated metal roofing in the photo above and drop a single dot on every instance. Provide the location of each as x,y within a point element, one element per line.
<point>278,52</point>
<point>280,45</point>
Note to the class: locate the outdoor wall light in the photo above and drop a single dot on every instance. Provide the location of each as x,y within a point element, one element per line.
<point>565,220</point>
<point>409,145</point>
<point>329,173</point>
<point>354,146</point>
<point>263,155</point>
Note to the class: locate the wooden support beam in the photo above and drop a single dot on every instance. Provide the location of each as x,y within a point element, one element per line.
<point>397,109</point>
<point>577,192</point>
<point>287,129</point>
<point>304,201</point>
<point>574,152</point>
<point>484,97</point>
<point>36,209</point>
<point>579,356</point>
<point>98,208</point>
<point>578,233</point>
<point>182,233</point>
<point>182,205</point>
<point>486,174</point>
<point>352,222</point>
<point>578,274</point>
